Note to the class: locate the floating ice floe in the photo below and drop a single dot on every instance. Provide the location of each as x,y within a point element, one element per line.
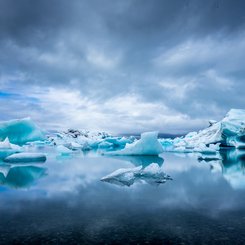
<point>20,131</point>
<point>152,174</point>
<point>147,145</point>
<point>25,157</point>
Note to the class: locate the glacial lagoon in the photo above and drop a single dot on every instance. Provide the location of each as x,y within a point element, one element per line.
<point>64,201</point>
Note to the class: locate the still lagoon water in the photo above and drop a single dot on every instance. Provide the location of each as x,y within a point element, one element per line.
<point>64,201</point>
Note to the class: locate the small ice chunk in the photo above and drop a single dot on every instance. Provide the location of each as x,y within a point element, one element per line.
<point>26,157</point>
<point>147,145</point>
<point>63,150</point>
<point>152,174</point>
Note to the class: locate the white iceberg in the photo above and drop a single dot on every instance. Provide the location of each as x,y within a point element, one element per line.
<point>147,145</point>
<point>77,139</point>
<point>152,174</point>
<point>88,140</point>
<point>232,126</point>
<point>229,132</point>
<point>20,131</point>
<point>25,157</point>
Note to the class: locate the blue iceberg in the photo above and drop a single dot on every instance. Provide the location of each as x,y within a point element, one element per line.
<point>20,131</point>
<point>147,145</point>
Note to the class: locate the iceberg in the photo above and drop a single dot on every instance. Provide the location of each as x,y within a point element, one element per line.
<point>20,131</point>
<point>25,157</point>
<point>75,139</point>
<point>147,145</point>
<point>229,132</point>
<point>87,140</point>
<point>152,174</point>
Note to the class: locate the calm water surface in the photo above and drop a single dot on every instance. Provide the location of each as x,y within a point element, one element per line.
<point>63,201</point>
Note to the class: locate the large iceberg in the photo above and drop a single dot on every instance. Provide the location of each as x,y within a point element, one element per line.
<point>147,145</point>
<point>229,132</point>
<point>20,131</point>
<point>152,174</point>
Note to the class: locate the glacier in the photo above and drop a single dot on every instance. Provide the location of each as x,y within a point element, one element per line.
<point>20,131</point>
<point>148,144</point>
<point>152,174</point>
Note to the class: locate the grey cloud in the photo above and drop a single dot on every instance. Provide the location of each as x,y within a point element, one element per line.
<point>105,49</point>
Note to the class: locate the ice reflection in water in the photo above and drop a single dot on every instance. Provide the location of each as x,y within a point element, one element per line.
<point>72,204</point>
<point>20,176</point>
<point>232,166</point>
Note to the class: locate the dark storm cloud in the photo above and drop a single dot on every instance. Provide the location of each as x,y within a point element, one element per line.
<point>181,57</point>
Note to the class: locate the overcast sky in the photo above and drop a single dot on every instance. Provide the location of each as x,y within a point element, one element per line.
<point>121,66</point>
